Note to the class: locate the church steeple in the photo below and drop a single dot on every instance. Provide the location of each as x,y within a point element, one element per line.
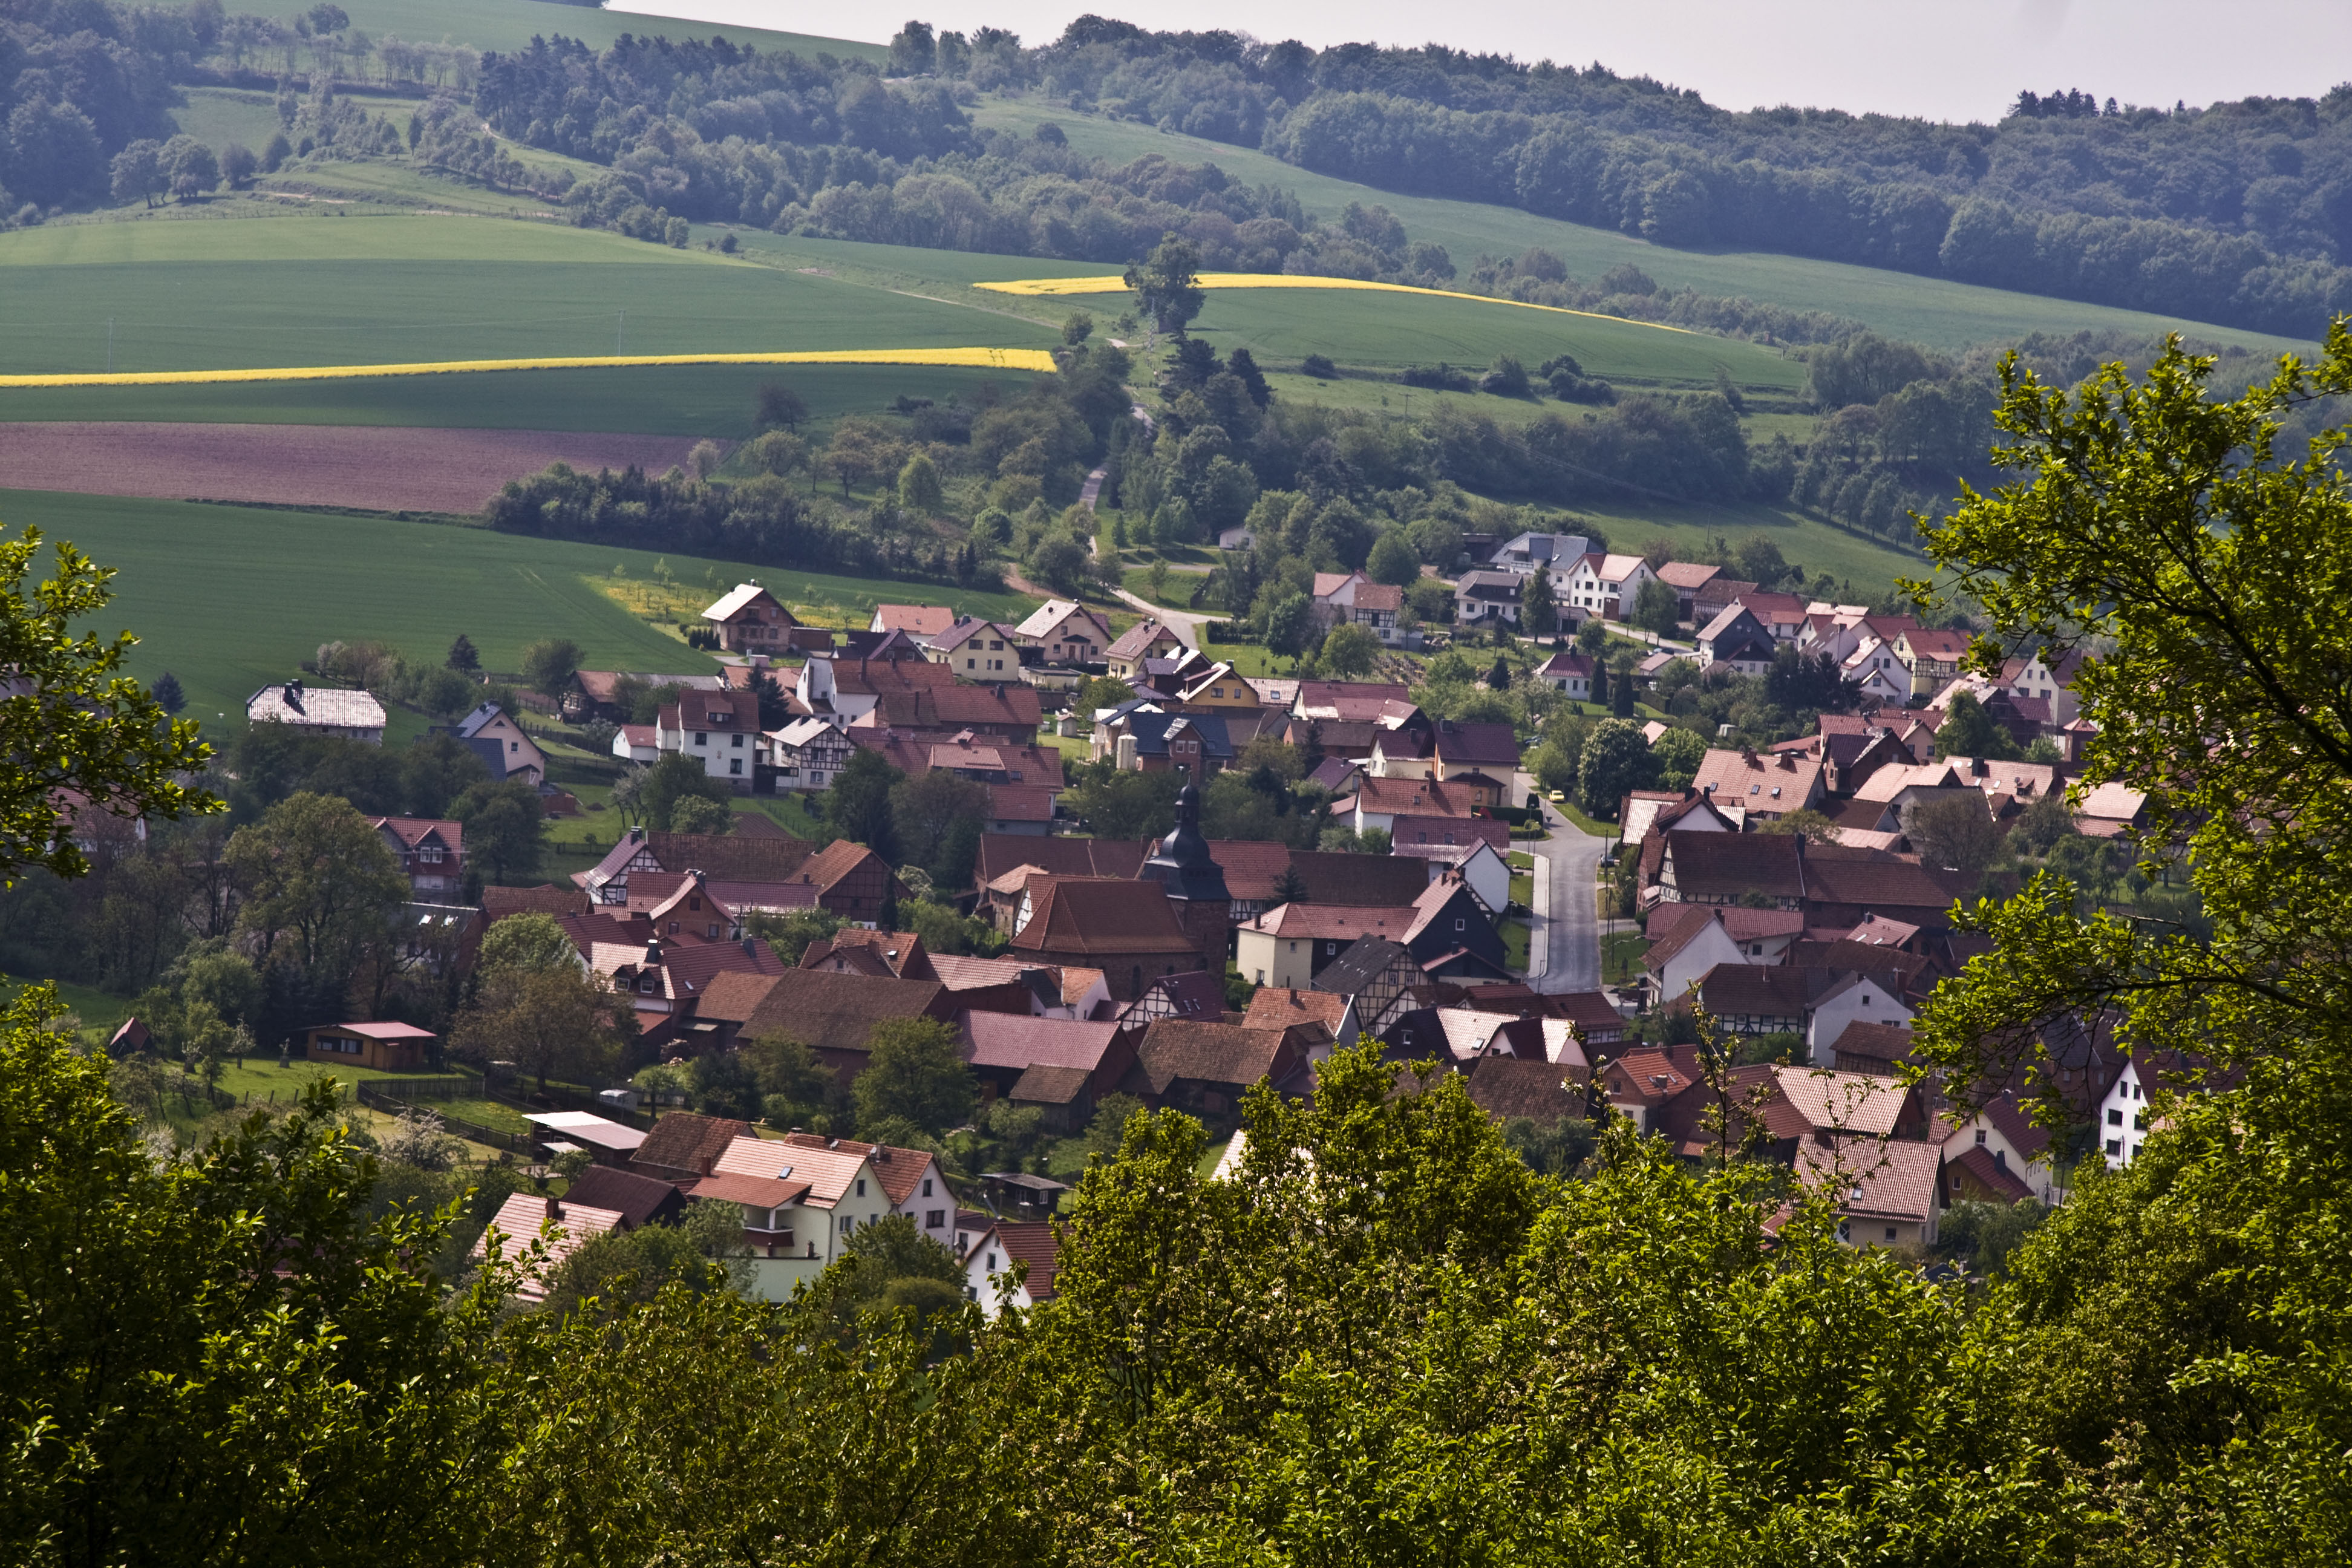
<point>1183,862</point>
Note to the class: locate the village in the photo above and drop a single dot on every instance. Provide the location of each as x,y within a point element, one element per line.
<point>1787,910</point>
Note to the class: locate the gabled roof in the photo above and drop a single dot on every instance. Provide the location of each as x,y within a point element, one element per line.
<point>296,703</point>
<point>1359,965</point>
<point>836,1011</point>
<point>1474,745</point>
<point>681,1141</point>
<point>520,1219</point>
<point>1687,575</point>
<point>898,1169</point>
<point>1843,1102</point>
<point>2007,1117</point>
<point>1726,865</point>
<point>1883,1044</point>
<point>733,857</point>
<point>1999,1178</point>
<point>827,1170</point>
<point>1870,1178</point>
<point>1175,1048</point>
<point>1356,702</point>
<point>828,867</point>
<point>547,899</point>
<point>1018,1041</point>
<point>1278,1007</point>
<point>1569,665</point>
<point>638,1200</point>
<point>1100,918</point>
<point>738,599</point>
<point>1505,1088</point>
<point>1192,993</point>
<point>1034,1243</point>
<point>915,620</point>
<point>1046,616</point>
<point>1139,638</point>
<point>1762,782</point>
<point>1650,1078</point>
<point>1758,989</point>
<point>414,831</point>
<point>1343,922</point>
<point>1414,797</point>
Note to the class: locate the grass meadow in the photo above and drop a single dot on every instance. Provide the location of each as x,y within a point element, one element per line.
<point>511,23</point>
<point>231,598</point>
<point>1932,311</point>
<point>314,292</point>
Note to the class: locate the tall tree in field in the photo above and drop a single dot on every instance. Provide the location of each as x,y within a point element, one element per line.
<point>321,887</point>
<point>462,659</point>
<point>504,827</point>
<point>1539,612</point>
<point>548,663</point>
<point>857,806</point>
<point>168,695</point>
<point>1167,285</point>
<point>72,721</point>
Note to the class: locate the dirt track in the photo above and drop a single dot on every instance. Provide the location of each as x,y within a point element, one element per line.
<point>380,467</point>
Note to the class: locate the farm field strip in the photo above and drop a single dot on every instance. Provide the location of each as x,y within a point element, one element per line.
<point>229,598</point>
<point>984,358</point>
<point>1213,281</point>
<point>379,468</point>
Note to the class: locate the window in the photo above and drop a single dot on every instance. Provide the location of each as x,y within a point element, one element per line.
<point>848,1224</point>
<point>735,764</point>
<point>737,741</point>
<point>934,1218</point>
<point>1461,924</point>
<point>927,1186</point>
<point>2115,1145</point>
<point>991,1263</point>
<point>1980,1137</point>
<point>861,1186</point>
<point>2115,1117</point>
<point>702,737</point>
<point>1890,1233</point>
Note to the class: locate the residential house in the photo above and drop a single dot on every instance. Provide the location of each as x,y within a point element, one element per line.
<point>1187,994</point>
<point>1342,598</point>
<point>1379,801</point>
<point>1932,657</point>
<point>1446,929</point>
<point>807,754</point>
<point>1875,670</point>
<point>1218,690</point>
<point>1784,616</point>
<point>639,743</point>
<point>1761,999</point>
<point>2123,1117</point>
<point>852,881</point>
<point>911,1180</point>
<point>1253,869</point>
<point>558,1225</point>
<point>1130,931</point>
<point>1569,674</point>
<point>1715,593</point>
<point>1351,701</point>
<point>1687,579</point>
<point>750,619</point>
<point>598,693</point>
<point>1141,738</point>
<point>338,715</point>
<point>720,730</point>
<point>502,744</point>
<point>431,852</point>
<point>2053,683</point>
<point>834,1013</point>
<point>916,621</point>
<point>1379,974</point>
<point>639,1200</point>
<point>1206,1068</point>
<point>1871,1047</point>
<point>1857,997</point>
<point>664,979</point>
<point>1413,746</point>
<point>977,649</point>
<point>1996,1153</point>
<point>1885,1192</point>
<point>1641,1084</point>
<point>1736,638</point>
<point>1702,868</point>
<point>1605,585</point>
<point>1064,1067</point>
<point>683,1148</point>
<point>1557,554</point>
<point>1688,941</point>
<point>1513,1088</point>
<point>547,899</point>
<point>2111,811</point>
<point>1480,598</point>
<point>1144,640</point>
<point>1482,867</point>
<point>1065,632</point>
<point>384,1047</point>
<point>1762,787</point>
<point>1010,1266</point>
<point>1279,1007</point>
<point>799,1205</point>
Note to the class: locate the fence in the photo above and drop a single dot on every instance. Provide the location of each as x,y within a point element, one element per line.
<point>375,1098</point>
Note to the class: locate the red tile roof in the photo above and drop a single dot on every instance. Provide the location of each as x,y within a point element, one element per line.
<point>1098,917</point>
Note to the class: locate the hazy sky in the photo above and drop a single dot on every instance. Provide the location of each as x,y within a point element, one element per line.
<point>1948,59</point>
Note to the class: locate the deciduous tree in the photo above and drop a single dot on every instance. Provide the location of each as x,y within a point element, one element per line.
<point>915,1070</point>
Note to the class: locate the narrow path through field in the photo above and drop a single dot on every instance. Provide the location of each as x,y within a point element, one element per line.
<point>376,468</point>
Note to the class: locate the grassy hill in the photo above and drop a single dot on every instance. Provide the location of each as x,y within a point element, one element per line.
<point>1935,311</point>
<point>231,598</point>
<point>511,23</point>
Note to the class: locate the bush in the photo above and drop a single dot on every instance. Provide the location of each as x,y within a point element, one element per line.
<point>1319,367</point>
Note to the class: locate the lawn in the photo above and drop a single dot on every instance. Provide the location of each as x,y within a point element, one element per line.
<point>231,598</point>
<point>1568,808</point>
<point>1932,311</point>
<point>1621,956</point>
<point>1870,565</point>
<point>218,116</point>
<point>1523,886</point>
<point>1515,945</point>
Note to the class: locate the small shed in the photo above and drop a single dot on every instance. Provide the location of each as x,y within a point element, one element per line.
<point>1021,1192</point>
<point>387,1047</point>
<point>609,1142</point>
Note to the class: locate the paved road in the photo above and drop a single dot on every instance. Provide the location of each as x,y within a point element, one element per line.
<point>1571,927</point>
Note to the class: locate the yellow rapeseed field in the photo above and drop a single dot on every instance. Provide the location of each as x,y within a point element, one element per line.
<point>989,359</point>
<point>1051,286</point>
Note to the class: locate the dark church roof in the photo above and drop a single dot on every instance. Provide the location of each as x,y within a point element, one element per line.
<point>1184,863</point>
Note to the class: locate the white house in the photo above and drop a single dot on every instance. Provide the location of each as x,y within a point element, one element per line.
<point>2011,1142</point>
<point>2123,1115</point>
<point>990,1265</point>
<point>1858,998</point>
<point>2029,676</point>
<point>342,715</point>
<point>637,743</point>
<point>1569,674</point>
<point>1688,941</point>
<point>719,729</point>
<point>1065,632</point>
<point>807,754</point>
<point>1879,670</point>
<point>1605,585</point>
<point>1555,553</point>
<point>801,1204</point>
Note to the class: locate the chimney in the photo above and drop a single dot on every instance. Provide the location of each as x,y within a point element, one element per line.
<point>751,947</point>
<point>653,953</point>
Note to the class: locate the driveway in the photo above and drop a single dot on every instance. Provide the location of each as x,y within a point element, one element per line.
<point>1571,928</point>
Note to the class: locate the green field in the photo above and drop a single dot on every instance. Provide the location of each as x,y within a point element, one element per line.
<point>231,598</point>
<point>312,291</point>
<point>653,400</point>
<point>511,23</point>
<point>218,116</point>
<point>1934,311</point>
<point>1870,565</point>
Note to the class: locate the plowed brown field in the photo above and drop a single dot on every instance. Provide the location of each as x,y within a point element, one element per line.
<point>380,467</point>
